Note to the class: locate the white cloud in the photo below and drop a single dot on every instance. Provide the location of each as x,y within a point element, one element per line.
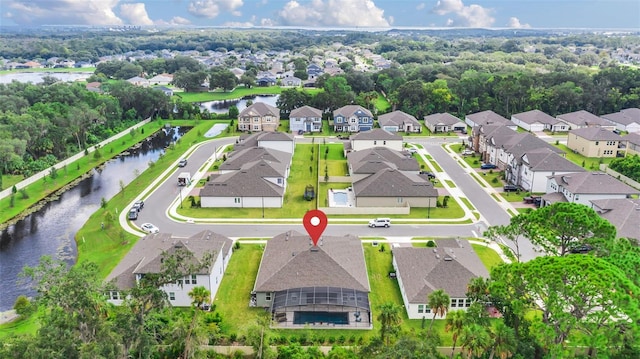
<point>61,12</point>
<point>514,22</point>
<point>421,6</point>
<point>465,16</point>
<point>135,14</point>
<point>212,8</point>
<point>347,13</point>
<point>175,21</point>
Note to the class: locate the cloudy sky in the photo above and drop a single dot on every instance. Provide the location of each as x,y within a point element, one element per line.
<point>327,13</point>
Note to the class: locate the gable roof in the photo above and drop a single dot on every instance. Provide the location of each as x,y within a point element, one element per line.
<point>240,158</point>
<point>582,118</point>
<point>352,110</point>
<point>373,159</point>
<point>260,109</point>
<point>248,182</point>
<point>633,138</point>
<point>624,117</point>
<point>379,134</point>
<point>536,116</point>
<point>546,160</point>
<point>305,111</point>
<point>449,267</point>
<point>520,143</point>
<point>596,134</point>
<point>392,183</point>
<point>290,261</point>
<point>146,255</point>
<point>623,213</point>
<point>397,118</point>
<point>593,183</point>
<point>253,140</point>
<point>488,117</point>
<point>443,119</point>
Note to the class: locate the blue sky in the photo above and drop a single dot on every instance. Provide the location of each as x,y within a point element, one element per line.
<point>328,13</point>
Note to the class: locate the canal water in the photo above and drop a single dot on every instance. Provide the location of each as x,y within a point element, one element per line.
<point>223,105</point>
<point>51,230</point>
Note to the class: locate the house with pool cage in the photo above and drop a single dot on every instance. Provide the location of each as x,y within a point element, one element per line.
<point>319,286</point>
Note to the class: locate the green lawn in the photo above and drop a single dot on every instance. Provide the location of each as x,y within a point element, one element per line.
<point>19,327</point>
<point>232,299</point>
<point>335,162</point>
<point>434,163</point>
<point>10,180</point>
<point>487,255</point>
<point>324,187</point>
<point>589,163</point>
<point>382,104</point>
<point>473,161</point>
<point>493,178</point>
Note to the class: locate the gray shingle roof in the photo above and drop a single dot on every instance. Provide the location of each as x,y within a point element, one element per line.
<point>449,267</point>
<point>305,111</point>
<point>238,159</point>
<point>248,182</point>
<point>545,160</point>
<point>596,134</point>
<point>583,118</point>
<point>624,117</point>
<point>145,256</point>
<point>488,117</point>
<point>521,143</point>
<point>593,183</point>
<point>397,118</point>
<point>376,134</point>
<point>373,159</point>
<point>391,183</point>
<point>350,110</point>
<point>632,138</point>
<point>260,109</point>
<point>443,119</point>
<point>623,213</point>
<point>289,261</point>
<point>536,116</point>
<point>253,140</point>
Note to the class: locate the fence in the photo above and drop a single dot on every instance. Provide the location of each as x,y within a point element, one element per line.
<point>366,210</point>
<point>604,167</point>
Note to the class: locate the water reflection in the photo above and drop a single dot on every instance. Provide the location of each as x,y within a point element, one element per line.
<point>51,230</point>
<point>223,105</point>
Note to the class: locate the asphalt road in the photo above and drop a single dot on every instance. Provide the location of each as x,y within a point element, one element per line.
<point>157,203</point>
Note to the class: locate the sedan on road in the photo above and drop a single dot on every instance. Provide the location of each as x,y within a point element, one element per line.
<point>488,166</point>
<point>149,228</point>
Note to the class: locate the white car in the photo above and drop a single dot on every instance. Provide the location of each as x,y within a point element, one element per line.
<point>412,150</point>
<point>380,222</point>
<point>149,228</point>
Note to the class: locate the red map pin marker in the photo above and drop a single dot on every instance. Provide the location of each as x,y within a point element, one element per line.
<point>315,222</point>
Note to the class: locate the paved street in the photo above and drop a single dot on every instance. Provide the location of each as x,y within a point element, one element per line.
<point>160,202</point>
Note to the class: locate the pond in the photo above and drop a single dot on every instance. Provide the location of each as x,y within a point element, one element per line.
<point>223,105</point>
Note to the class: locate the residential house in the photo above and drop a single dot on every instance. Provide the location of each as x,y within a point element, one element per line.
<point>265,79</point>
<point>444,122</point>
<point>488,118</point>
<point>596,142</point>
<point>161,79</point>
<point>274,140</point>
<point>450,267</point>
<point>139,81</point>
<point>537,121</point>
<point>369,161</point>
<point>393,188</point>
<point>623,213</point>
<point>398,121</point>
<point>305,119</point>
<point>582,119</point>
<point>94,86</point>
<point>290,81</point>
<point>314,70</point>
<point>166,90</point>
<point>633,143</point>
<point>304,285</point>
<point>584,187</point>
<point>259,117</point>
<point>534,166</point>
<point>238,159</point>
<point>210,250</point>
<point>258,184</point>
<point>625,120</point>
<point>352,118</point>
<point>376,138</point>
<point>505,151</point>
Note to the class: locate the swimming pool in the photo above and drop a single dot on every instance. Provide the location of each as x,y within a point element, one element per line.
<point>321,317</point>
<point>340,198</point>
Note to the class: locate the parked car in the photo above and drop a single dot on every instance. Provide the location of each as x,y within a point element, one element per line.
<point>380,222</point>
<point>138,205</point>
<point>582,248</point>
<point>149,228</point>
<point>429,174</point>
<point>133,214</point>
<point>182,163</point>
<point>510,188</point>
<point>488,166</point>
<point>412,150</point>
<point>467,152</point>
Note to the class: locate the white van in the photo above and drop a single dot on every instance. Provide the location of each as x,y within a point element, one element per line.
<point>380,222</point>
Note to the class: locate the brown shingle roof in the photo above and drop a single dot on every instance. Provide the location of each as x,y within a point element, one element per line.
<point>260,109</point>
<point>376,134</point>
<point>392,183</point>
<point>238,159</point>
<point>248,182</point>
<point>289,261</point>
<point>449,267</point>
<point>373,159</point>
<point>397,118</point>
<point>305,111</point>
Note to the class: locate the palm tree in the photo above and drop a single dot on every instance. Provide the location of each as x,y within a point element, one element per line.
<point>478,289</point>
<point>438,301</point>
<point>504,341</point>
<point>475,340</point>
<point>454,323</point>
<point>390,320</point>
<point>199,296</point>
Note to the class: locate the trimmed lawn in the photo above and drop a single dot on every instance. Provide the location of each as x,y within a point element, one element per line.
<point>382,104</point>
<point>324,187</point>
<point>487,255</point>
<point>336,164</point>
<point>493,178</point>
<point>238,92</point>
<point>234,294</point>
<point>473,161</point>
<point>29,325</point>
<point>589,163</point>
<point>10,180</point>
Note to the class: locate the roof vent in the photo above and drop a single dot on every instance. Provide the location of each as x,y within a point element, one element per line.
<point>437,256</point>
<point>448,259</point>
<point>435,250</point>
<point>314,249</point>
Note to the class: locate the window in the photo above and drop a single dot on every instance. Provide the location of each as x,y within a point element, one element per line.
<point>193,279</point>
<point>267,297</point>
<point>460,303</point>
<point>384,142</point>
<point>256,127</point>
<point>279,180</point>
<point>256,119</point>
<point>597,143</point>
<point>454,303</point>
<point>187,280</point>
<point>420,308</point>
<point>172,296</point>
<point>399,199</point>
<point>467,303</point>
<point>375,142</point>
<point>114,295</point>
<point>236,200</point>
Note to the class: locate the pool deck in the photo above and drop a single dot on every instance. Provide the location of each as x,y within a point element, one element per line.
<point>351,198</point>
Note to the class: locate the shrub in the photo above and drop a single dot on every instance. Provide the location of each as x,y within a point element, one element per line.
<point>23,193</point>
<point>23,306</point>
<point>431,244</point>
